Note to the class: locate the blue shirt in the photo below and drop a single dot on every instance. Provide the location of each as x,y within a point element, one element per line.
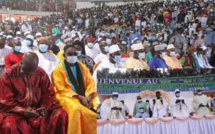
<point>209,38</point>
<point>143,115</point>
<point>157,63</point>
<point>73,68</point>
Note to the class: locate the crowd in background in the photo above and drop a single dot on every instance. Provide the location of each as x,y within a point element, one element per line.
<point>153,73</point>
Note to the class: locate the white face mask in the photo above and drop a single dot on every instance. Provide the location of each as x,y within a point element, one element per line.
<point>172,53</point>
<point>162,54</point>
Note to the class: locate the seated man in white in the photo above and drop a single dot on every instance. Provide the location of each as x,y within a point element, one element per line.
<point>178,106</point>
<point>142,113</point>
<point>112,108</point>
<point>47,61</point>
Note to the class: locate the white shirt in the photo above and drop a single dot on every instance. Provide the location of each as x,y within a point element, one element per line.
<point>47,61</point>
<point>3,53</point>
<point>25,48</point>
<point>27,28</point>
<point>87,23</point>
<point>179,109</point>
<point>91,52</point>
<point>101,57</point>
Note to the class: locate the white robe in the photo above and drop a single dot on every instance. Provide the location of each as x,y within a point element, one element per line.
<point>26,29</point>
<point>158,109</point>
<point>91,52</point>
<point>179,109</point>
<point>203,99</point>
<point>25,48</point>
<point>106,111</point>
<point>48,62</point>
<point>4,52</point>
<point>106,64</point>
<point>101,57</point>
<point>124,109</point>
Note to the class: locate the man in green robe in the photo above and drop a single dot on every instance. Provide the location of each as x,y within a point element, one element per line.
<point>138,105</point>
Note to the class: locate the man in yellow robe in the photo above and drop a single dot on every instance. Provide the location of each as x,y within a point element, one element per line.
<point>75,90</point>
<point>136,61</point>
<point>170,57</point>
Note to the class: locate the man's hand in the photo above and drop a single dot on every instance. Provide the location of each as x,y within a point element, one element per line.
<point>177,101</point>
<point>83,100</point>
<point>183,101</point>
<point>201,105</point>
<point>42,111</point>
<point>30,113</point>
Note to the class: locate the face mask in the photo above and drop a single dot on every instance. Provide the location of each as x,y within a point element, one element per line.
<point>27,23</point>
<point>172,53</point>
<point>117,58</point>
<point>124,42</point>
<point>21,71</point>
<point>177,94</point>
<point>71,59</point>
<point>90,45</point>
<point>194,38</point>
<point>141,55</point>
<point>79,53</point>
<point>115,98</point>
<point>162,54</point>
<point>195,53</point>
<point>106,48</point>
<point>18,38</point>
<point>28,42</point>
<point>149,44</point>
<point>139,100</point>
<point>141,110</point>
<point>200,55</point>
<point>43,47</point>
<point>48,37</point>
<point>17,48</point>
<point>4,36</point>
<point>199,93</point>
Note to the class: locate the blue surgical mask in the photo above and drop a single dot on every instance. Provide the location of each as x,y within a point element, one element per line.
<point>141,55</point>
<point>28,42</point>
<point>149,44</point>
<point>18,38</point>
<point>27,23</point>
<point>17,48</point>
<point>79,53</point>
<point>115,98</point>
<point>43,47</point>
<point>141,110</point>
<point>106,48</point>
<point>200,55</point>
<point>195,53</point>
<point>71,59</point>
<point>4,36</point>
<point>117,58</point>
<point>90,45</point>
<point>172,53</point>
<point>199,93</point>
<point>139,100</point>
<point>177,94</point>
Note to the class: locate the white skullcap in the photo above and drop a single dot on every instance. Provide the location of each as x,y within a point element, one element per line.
<point>99,39</point>
<point>68,39</point>
<point>108,41</point>
<point>27,33</point>
<point>63,36</point>
<point>1,34</point>
<point>18,32</point>
<point>170,46</point>
<point>102,34</point>
<point>66,28</point>
<point>164,45</point>
<point>177,90</point>
<point>159,47</point>
<point>115,93</point>
<point>137,46</point>
<point>113,49</point>
<point>204,47</point>
<point>9,36</point>
<point>11,31</point>
<point>73,35</point>
<point>38,34</point>
<point>30,37</point>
